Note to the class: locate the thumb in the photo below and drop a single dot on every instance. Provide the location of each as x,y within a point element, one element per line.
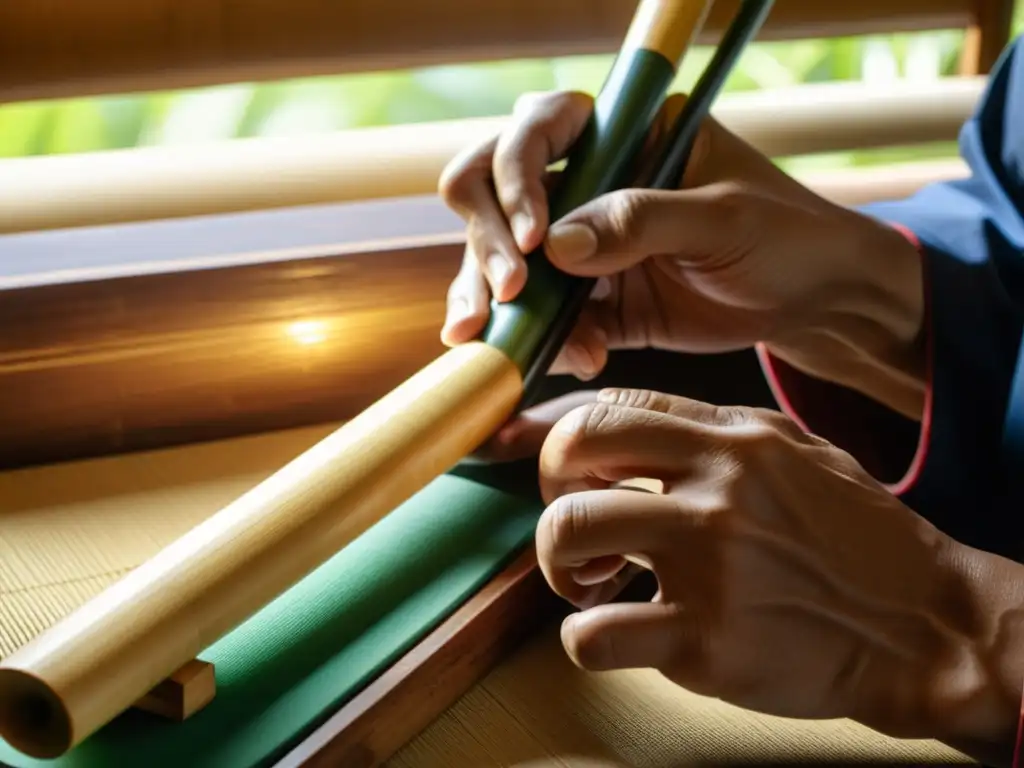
<point>621,229</point>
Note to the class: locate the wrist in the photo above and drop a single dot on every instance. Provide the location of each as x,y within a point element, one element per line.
<point>972,694</point>
<point>866,327</point>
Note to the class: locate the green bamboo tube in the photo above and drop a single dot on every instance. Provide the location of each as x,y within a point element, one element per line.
<point>531,328</point>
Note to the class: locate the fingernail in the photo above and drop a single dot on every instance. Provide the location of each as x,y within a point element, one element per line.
<point>602,289</point>
<point>458,310</point>
<point>498,269</point>
<point>572,242</point>
<point>582,361</point>
<point>584,580</point>
<point>522,225</point>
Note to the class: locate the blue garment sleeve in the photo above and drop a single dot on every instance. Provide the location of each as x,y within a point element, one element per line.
<point>970,234</point>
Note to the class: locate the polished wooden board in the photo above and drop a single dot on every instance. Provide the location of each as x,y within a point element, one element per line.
<point>66,47</point>
<point>177,331</point>
<point>138,336</point>
<point>537,709</point>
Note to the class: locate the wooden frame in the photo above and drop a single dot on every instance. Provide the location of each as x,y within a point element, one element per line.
<point>434,675</point>
<point>106,350</point>
<point>987,35</point>
<point>364,164</point>
<point>64,47</point>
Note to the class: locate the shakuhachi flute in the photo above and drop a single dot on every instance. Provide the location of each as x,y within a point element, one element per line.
<point>96,663</point>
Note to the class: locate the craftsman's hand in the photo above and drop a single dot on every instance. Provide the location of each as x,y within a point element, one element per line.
<point>790,581</point>
<point>742,254</point>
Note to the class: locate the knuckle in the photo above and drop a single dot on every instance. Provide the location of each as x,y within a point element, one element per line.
<point>734,205</point>
<point>733,415</point>
<point>455,182</point>
<point>451,184</point>
<point>644,399</point>
<point>566,517</point>
<point>625,214</point>
<point>583,423</point>
<point>529,102</point>
<point>780,422</point>
<point>759,440</point>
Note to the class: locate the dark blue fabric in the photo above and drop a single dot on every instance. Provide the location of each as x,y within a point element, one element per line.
<point>972,237</point>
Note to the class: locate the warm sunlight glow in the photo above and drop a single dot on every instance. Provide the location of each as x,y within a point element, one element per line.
<point>308,332</point>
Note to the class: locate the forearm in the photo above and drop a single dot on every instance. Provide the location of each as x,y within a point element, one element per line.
<point>870,335</point>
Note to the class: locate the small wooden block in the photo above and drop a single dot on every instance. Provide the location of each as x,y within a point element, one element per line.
<point>182,694</point>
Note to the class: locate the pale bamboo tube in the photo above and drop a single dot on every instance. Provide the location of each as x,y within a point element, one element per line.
<point>73,679</point>
<point>163,182</point>
<point>860,186</point>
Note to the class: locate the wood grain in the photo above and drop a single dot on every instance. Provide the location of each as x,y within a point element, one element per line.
<point>64,48</point>
<point>145,183</point>
<point>537,710</point>
<point>139,336</point>
<point>433,675</point>
<point>987,36</point>
<point>183,694</point>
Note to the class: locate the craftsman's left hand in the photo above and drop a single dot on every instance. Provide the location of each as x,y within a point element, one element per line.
<point>791,582</point>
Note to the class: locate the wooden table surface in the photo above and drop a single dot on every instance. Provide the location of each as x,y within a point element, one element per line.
<point>535,709</point>
<point>538,709</point>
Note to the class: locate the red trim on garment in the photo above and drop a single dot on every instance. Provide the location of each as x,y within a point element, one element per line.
<point>913,472</point>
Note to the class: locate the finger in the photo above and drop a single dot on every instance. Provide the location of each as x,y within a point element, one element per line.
<point>461,180</point>
<point>629,636</point>
<point>671,405</point>
<point>599,444</point>
<point>606,591</point>
<point>498,258</point>
<point>740,422</point>
<point>599,570</point>
<point>585,353</point>
<point>543,129</point>
<point>467,304</point>
<point>619,230</point>
<point>524,434</point>
<point>583,527</point>
<point>467,186</point>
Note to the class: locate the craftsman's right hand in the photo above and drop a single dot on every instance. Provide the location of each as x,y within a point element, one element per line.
<point>741,254</point>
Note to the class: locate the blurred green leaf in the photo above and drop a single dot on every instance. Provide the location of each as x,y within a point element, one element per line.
<point>78,126</point>
<point>24,128</point>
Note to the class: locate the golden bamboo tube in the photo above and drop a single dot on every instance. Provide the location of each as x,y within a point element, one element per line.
<point>96,663</point>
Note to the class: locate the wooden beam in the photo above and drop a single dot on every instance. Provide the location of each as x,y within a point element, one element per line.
<point>365,164</point>
<point>986,36</point>
<point>61,48</point>
<point>145,335</point>
<point>183,694</point>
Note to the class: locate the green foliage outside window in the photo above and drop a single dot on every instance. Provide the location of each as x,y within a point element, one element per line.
<point>324,104</point>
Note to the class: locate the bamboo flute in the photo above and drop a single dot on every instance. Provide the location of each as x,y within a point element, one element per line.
<point>98,661</point>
